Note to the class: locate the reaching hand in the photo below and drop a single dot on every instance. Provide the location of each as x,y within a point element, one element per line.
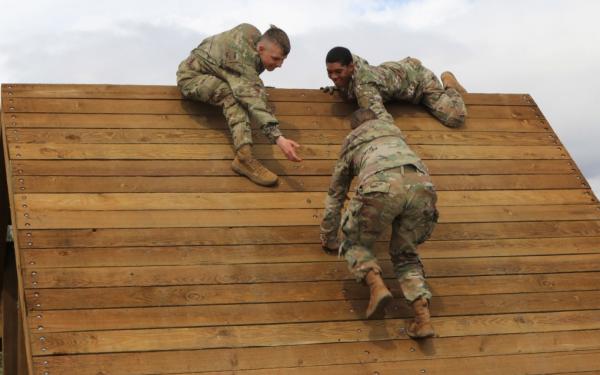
<point>330,246</point>
<point>288,147</point>
<point>329,89</point>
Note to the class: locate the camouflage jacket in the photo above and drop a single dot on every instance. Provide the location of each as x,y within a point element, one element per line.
<point>232,56</point>
<point>374,146</point>
<point>372,86</point>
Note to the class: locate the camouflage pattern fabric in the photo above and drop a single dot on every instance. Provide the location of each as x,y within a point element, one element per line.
<point>394,189</point>
<point>224,71</point>
<point>404,80</point>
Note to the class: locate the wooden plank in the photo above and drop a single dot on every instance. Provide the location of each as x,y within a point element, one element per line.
<point>300,312</point>
<point>538,364</point>
<point>184,201</point>
<point>281,167</point>
<point>207,201</point>
<point>147,151</point>
<point>172,92</point>
<point>170,218</point>
<point>292,272</point>
<point>302,333</point>
<point>212,151</point>
<point>159,106</point>
<point>313,355</point>
<point>149,218</point>
<point>199,184</point>
<point>282,253</point>
<point>309,136</point>
<point>212,122</point>
<point>285,235</point>
<point>196,295</point>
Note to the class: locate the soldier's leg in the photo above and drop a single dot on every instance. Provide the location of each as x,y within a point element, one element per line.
<point>361,225</point>
<point>368,213</point>
<point>447,105</point>
<point>364,220</point>
<point>212,90</point>
<point>411,228</point>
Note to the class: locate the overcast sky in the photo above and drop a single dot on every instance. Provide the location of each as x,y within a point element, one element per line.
<point>550,49</point>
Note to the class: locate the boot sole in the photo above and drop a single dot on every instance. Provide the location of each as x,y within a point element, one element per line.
<point>413,336</point>
<point>258,182</point>
<point>380,308</point>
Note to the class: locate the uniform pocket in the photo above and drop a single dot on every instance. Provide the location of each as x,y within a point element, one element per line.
<point>375,187</point>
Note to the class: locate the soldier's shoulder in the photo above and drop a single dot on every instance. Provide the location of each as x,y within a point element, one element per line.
<point>357,60</point>
<point>363,72</point>
<point>247,29</point>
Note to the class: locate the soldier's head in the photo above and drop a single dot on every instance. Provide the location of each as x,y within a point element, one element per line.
<point>340,66</point>
<point>361,116</point>
<point>273,47</point>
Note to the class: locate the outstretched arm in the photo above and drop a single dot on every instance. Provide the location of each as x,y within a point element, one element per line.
<point>250,92</point>
<point>368,96</point>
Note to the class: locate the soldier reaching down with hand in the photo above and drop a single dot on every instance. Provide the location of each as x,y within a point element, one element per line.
<point>224,71</point>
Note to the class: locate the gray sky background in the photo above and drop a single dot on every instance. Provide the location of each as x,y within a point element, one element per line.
<point>550,49</point>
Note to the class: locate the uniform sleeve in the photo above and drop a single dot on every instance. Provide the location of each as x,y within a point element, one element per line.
<point>338,189</point>
<point>249,91</point>
<point>368,96</point>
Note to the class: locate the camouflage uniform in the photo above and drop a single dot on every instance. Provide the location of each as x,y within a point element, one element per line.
<point>224,70</point>
<point>394,188</point>
<point>405,80</point>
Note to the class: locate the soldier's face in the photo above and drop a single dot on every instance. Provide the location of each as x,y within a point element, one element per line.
<point>271,55</point>
<point>340,74</point>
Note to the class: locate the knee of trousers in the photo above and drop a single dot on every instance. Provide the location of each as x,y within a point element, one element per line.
<point>449,107</point>
<point>456,116</point>
<point>454,107</point>
<point>234,112</point>
<point>453,115</point>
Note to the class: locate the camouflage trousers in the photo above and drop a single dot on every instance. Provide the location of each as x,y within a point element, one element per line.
<point>405,199</point>
<point>212,90</point>
<point>447,105</point>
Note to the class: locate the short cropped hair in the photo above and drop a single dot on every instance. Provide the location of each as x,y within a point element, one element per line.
<point>276,35</point>
<point>340,55</point>
<point>360,116</point>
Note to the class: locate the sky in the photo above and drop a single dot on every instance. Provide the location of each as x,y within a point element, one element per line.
<point>547,48</point>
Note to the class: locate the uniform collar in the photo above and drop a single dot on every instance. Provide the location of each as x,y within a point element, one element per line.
<point>358,62</point>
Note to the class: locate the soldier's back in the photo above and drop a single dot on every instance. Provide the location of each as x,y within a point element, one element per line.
<point>231,49</point>
<point>377,145</point>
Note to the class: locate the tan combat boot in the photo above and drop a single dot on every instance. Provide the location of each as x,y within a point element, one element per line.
<point>380,295</point>
<point>246,165</point>
<point>420,327</point>
<point>450,81</point>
